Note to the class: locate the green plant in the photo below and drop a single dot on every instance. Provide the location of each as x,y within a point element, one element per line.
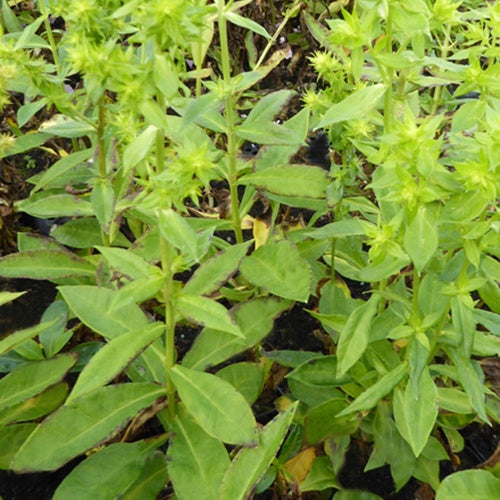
<point>413,197</point>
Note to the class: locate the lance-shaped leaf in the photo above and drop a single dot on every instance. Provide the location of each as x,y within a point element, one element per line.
<point>55,204</point>
<point>112,470</point>
<point>416,415</point>
<point>16,339</point>
<point>355,335</point>
<point>279,269</point>
<point>216,270</point>
<point>206,312</point>
<point>197,461</point>
<point>255,319</point>
<point>290,180</point>
<point>369,398</point>
<point>421,239</point>
<point>82,424</point>
<point>178,232</point>
<point>32,378</point>
<point>215,404</point>
<point>113,358</point>
<point>139,148</point>
<point>251,463</point>
<point>45,265</point>
<point>94,306</point>
<point>354,106</point>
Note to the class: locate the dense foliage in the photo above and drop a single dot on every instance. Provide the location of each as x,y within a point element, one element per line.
<point>148,112</point>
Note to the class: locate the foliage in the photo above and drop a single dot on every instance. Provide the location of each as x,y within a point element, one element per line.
<point>412,193</point>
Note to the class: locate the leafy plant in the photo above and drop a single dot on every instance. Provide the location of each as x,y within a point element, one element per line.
<point>141,138</point>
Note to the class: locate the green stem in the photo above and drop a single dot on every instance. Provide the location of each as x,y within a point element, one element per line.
<point>101,155</point>
<point>168,288</point>
<point>436,98</point>
<point>50,34</point>
<point>416,287</point>
<point>390,76</point>
<point>232,151</point>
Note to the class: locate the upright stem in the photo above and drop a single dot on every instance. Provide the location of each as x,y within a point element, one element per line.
<point>390,75</point>
<point>232,151</point>
<point>50,35</point>
<point>101,155</point>
<point>168,288</point>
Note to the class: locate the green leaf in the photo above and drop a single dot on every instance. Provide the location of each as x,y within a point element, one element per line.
<point>61,167</point>
<point>369,398</point>
<point>463,321</point>
<point>355,495</point>
<point>247,23</point>
<point>32,378</point>
<point>415,416</point>
<point>421,239</point>
<point>246,378</point>
<point>45,264</point>
<point>16,339</point>
<point>128,263</point>
<point>264,132</point>
<point>151,480</point>
<point>63,126</point>
<point>94,306</point>
<point>6,297</point>
<point>206,312</point>
<point>35,407</point>
<point>250,464</point>
<point>139,148</point>
<point>82,424</point>
<point>354,106</point>
<point>107,473</point>
<point>340,229</point>
<point>214,272</point>
<point>55,337</point>
<point>279,269</point>
<point>55,204</point>
<point>269,106</point>
<point>11,438</point>
<point>355,335</point>
<point>290,180</point>
<point>321,422</point>
<point>28,110</point>
<point>216,406</point>
<point>316,380</point>
<point>103,202</point>
<point>255,319</point>
<point>320,477</point>
<point>178,232</point>
<point>112,359</point>
<point>470,484</point>
<point>197,461</point>
<point>9,18</point>
<point>84,232</point>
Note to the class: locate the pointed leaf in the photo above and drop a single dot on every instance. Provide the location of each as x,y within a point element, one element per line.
<point>32,378</point>
<point>82,424</point>
<point>415,416</point>
<point>107,473</point>
<point>472,484</point>
<point>178,232</point>
<point>355,335</point>
<point>369,398</point>
<point>279,269</point>
<point>206,312</point>
<point>45,264</point>
<point>356,105</point>
<point>197,461</point>
<point>216,271</point>
<point>112,359</point>
<point>215,404</point>
<point>16,339</point>
<point>139,148</point>
<point>421,239</point>
<point>93,305</point>
<point>255,319</point>
<point>251,463</point>
<point>290,180</point>
<point>151,481</point>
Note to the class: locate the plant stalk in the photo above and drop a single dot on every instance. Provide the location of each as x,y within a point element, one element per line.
<point>232,151</point>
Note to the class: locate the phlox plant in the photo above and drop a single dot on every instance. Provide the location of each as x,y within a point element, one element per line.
<point>142,126</point>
